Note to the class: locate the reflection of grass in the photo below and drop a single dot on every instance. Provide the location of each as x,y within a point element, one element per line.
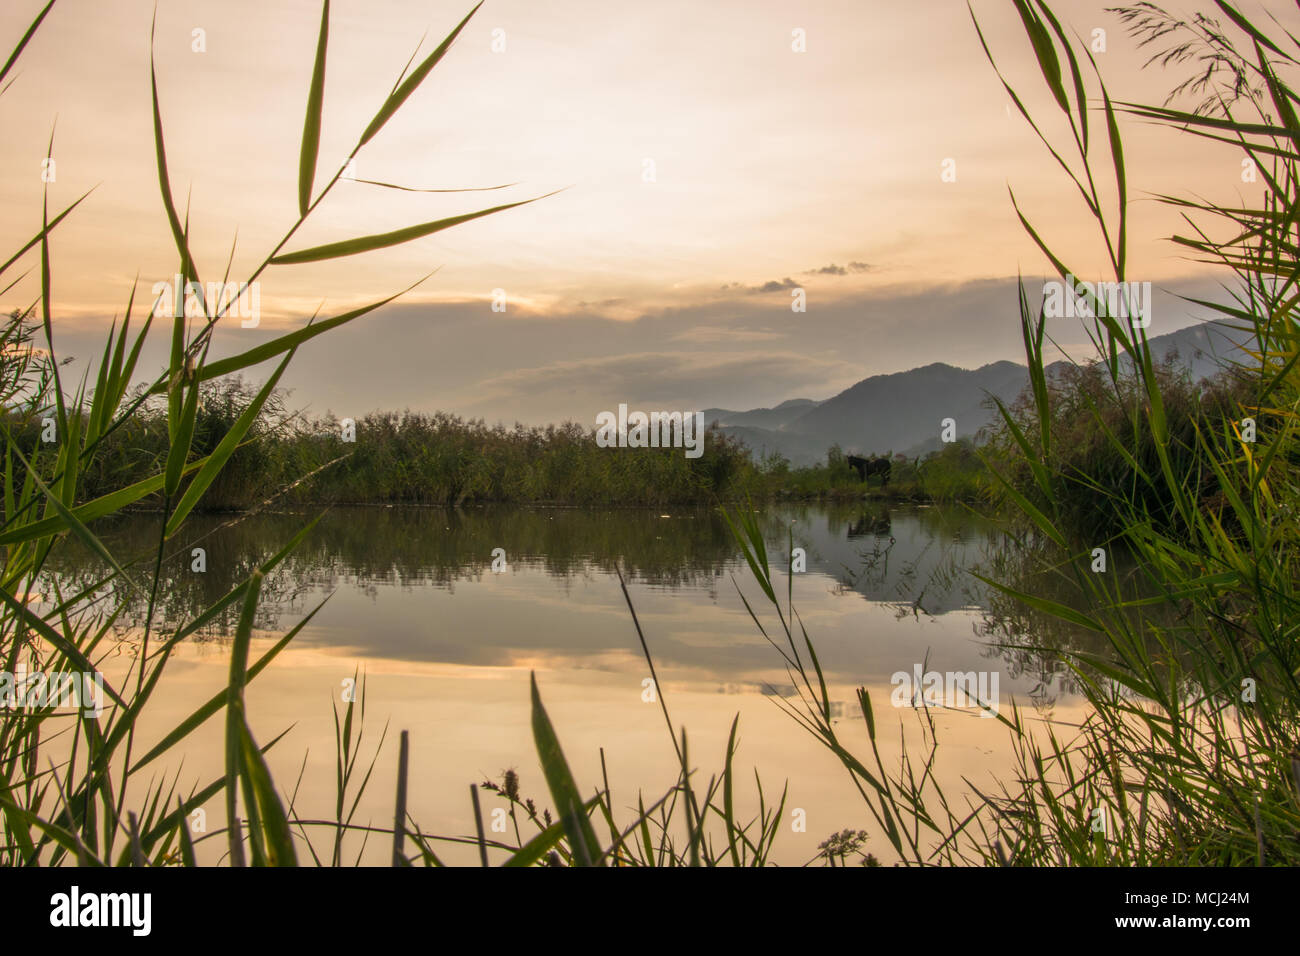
<point>437,547</point>
<point>418,546</point>
<point>1033,640</point>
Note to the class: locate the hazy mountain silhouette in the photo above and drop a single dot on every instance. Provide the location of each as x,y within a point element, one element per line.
<point>902,412</point>
<point>761,418</point>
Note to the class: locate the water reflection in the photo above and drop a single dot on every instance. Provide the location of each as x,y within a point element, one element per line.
<point>374,547</point>
<point>447,642</point>
<point>883,590</point>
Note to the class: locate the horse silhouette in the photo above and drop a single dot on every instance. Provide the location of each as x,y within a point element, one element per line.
<point>867,467</point>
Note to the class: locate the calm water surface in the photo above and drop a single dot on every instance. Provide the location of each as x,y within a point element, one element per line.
<point>445,644</point>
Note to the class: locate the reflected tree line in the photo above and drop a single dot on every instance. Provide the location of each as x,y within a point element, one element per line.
<point>917,559</point>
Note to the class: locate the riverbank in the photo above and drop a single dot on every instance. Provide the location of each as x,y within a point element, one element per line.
<point>412,458</point>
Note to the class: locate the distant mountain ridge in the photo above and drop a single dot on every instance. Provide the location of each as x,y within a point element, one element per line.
<point>777,417</point>
<point>901,412</point>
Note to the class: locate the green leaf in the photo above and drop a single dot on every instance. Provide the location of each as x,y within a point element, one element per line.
<point>235,712</point>
<point>70,520</point>
<point>1045,52</point>
<point>417,189</point>
<point>31,30</point>
<point>352,247</point>
<point>752,558</point>
<point>188,857</point>
<point>728,802</point>
<point>284,343</point>
<point>62,644</point>
<point>99,408</point>
<point>536,848</point>
<point>221,454</point>
<point>1048,607</point>
<point>219,699</point>
<point>46,315</point>
<point>311,124</point>
<point>46,228</point>
<point>1121,182</point>
<point>864,701</point>
<point>1080,98</point>
<point>568,804</point>
<point>1242,22</point>
<point>180,447</point>
<point>271,815</point>
<point>400,94</point>
<point>164,182</point>
<point>91,510</point>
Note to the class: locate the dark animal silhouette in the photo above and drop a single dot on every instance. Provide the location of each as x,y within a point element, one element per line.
<point>868,524</point>
<point>867,467</point>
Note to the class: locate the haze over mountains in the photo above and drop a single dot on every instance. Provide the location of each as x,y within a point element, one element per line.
<point>901,413</point>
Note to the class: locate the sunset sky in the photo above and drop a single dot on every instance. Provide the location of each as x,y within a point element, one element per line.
<point>821,167</point>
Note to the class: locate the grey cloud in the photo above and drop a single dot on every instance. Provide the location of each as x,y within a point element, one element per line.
<point>772,285</point>
<point>739,351</point>
<point>775,286</point>
<point>834,270</point>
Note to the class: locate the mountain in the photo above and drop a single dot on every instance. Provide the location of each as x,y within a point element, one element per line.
<point>1204,349</point>
<point>902,412</point>
<point>895,413</point>
<point>763,418</point>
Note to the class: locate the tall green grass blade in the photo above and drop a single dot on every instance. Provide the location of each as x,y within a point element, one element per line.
<point>312,120</point>
<point>1046,54</point>
<point>399,814</point>
<point>535,849</point>
<point>219,700</point>
<point>46,229</point>
<point>285,343</point>
<point>406,88</point>
<point>235,708</point>
<point>352,247</point>
<point>164,181</point>
<point>274,823</point>
<point>22,43</point>
<point>225,448</point>
<point>569,807</point>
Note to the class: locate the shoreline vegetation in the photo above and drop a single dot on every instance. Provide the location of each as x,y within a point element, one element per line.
<point>441,460</point>
<point>1189,753</point>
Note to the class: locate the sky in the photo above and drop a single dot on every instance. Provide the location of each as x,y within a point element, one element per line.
<point>705,167</point>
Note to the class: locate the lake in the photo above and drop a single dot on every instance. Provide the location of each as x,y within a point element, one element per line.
<point>443,615</point>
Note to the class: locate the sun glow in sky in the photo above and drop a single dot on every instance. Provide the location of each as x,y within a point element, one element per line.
<point>820,167</point>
